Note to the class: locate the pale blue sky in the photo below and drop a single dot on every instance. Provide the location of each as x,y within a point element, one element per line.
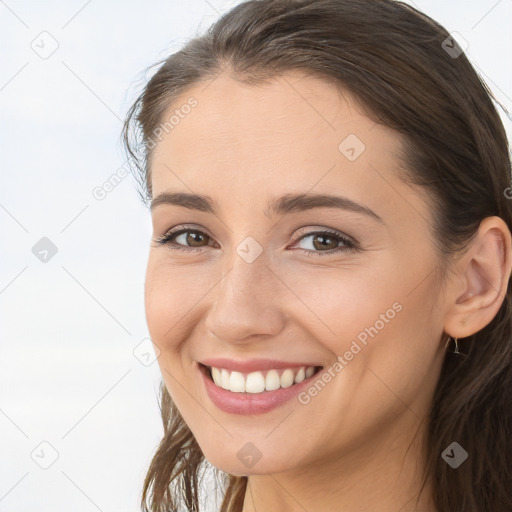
<point>68,375</point>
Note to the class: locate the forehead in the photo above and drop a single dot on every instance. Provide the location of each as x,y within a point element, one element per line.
<point>282,113</point>
<point>294,133</point>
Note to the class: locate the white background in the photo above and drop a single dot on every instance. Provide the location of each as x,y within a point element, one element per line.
<point>69,326</point>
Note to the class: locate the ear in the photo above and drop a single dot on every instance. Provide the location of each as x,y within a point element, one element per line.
<point>480,281</point>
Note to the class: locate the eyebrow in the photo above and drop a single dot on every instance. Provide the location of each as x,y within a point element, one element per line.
<point>288,203</point>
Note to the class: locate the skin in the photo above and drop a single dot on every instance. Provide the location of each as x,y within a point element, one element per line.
<point>358,444</point>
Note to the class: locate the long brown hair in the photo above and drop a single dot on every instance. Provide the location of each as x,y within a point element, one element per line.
<point>411,76</point>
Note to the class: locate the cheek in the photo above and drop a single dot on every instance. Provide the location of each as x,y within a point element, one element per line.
<point>161,292</point>
<point>390,349</point>
<point>172,298</point>
<point>380,335</point>
<point>371,320</point>
<point>169,304</point>
<point>340,305</point>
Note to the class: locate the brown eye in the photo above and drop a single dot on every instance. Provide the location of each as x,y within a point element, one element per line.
<point>324,243</point>
<point>195,238</point>
<point>185,239</point>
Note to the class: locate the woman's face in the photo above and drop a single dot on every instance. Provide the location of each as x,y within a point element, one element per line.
<point>244,286</point>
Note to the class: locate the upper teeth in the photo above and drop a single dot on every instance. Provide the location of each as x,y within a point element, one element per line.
<point>257,382</point>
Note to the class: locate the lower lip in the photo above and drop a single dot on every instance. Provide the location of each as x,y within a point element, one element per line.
<point>250,403</point>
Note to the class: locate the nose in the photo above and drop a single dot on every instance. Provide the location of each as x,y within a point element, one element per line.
<point>246,303</point>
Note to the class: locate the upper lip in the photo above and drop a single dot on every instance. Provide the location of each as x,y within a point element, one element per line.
<point>253,365</point>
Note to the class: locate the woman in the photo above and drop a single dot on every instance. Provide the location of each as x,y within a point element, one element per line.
<point>328,279</point>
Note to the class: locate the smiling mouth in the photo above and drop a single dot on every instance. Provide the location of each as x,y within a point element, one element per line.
<point>259,381</point>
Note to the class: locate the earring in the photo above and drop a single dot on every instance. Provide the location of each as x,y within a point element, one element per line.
<point>456,351</point>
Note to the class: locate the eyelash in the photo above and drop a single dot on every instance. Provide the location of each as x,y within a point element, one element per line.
<point>168,239</point>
